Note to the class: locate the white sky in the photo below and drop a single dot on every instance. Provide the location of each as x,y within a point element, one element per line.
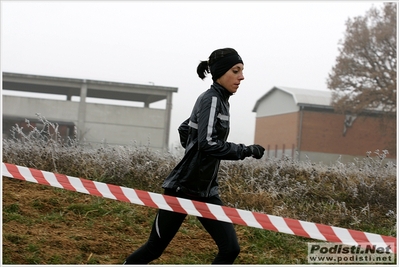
<point>282,43</point>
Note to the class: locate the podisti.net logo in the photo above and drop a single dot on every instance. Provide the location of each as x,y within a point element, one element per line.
<point>333,253</point>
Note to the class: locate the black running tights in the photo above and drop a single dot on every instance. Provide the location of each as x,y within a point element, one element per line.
<point>166,225</point>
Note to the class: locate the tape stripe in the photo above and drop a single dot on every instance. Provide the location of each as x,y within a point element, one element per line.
<point>39,177</point>
<point>103,190</point>
<point>377,239</point>
<point>219,213</point>
<point>145,197</point>
<point>132,196</point>
<point>174,204</point>
<point>5,171</point>
<point>265,221</point>
<point>344,235</point>
<point>52,180</point>
<point>189,207</point>
<point>233,213</point>
<point>160,201</point>
<point>65,183</point>
<point>13,171</point>
<point>296,227</point>
<point>356,235</point>
<point>25,172</point>
<point>118,193</point>
<point>387,239</point>
<point>280,224</point>
<point>79,186</point>
<point>312,230</point>
<point>211,211</point>
<point>203,210</point>
<point>328,233</point>
<point>251,219</point>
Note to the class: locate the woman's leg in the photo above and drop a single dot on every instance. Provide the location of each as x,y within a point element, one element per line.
<point>224,235</point>
<point>164,228</point>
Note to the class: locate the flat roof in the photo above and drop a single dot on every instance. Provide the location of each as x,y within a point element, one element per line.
<point>95,88</point>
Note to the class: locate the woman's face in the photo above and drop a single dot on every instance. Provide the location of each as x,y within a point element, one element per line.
<point>232,78</point>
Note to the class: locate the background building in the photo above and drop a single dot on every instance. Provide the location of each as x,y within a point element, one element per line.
<point>136,122</point>
<point>301,123</point>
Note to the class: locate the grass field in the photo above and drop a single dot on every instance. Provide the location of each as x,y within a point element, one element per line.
<point>45,225</point>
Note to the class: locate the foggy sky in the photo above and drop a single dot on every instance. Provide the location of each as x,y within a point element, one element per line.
<point>284,43</point>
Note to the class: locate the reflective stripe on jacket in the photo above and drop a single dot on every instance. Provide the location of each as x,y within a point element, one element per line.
<point>204,137</point>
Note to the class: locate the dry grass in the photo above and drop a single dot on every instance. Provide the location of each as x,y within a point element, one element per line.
<point>360,195</point>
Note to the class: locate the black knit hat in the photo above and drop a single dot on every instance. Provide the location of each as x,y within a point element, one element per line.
<point>219,62</point>
<point>223,64</point>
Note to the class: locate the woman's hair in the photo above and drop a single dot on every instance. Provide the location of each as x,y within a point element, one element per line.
<point>208,66</point>
<point>203,69</point>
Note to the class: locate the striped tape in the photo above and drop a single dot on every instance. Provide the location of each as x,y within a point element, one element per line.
<point>222,213</point>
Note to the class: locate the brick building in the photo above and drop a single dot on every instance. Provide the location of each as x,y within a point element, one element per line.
<point>301,123</point>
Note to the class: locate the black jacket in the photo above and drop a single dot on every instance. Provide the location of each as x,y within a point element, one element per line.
<point>204,137</point>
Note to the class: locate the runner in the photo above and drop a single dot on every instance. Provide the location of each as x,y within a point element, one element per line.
<point>204,137</point>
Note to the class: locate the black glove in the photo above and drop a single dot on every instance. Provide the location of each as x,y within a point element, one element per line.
<point>256,151</point>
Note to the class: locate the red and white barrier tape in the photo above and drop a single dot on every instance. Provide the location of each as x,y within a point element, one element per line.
<point>221,213</point>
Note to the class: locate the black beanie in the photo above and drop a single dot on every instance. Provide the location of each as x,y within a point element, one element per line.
<point>222,65</point>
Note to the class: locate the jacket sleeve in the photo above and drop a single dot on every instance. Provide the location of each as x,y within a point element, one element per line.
<point>209,140</point>
<point>184,132</point>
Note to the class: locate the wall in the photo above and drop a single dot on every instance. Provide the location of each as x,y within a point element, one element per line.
<point>322,132</point>
<point>321,138</point>
<point>277,102</point>
<point>104,123</point>
<point>277,134</point>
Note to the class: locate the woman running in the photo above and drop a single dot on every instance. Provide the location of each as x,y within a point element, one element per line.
<point>204,137</point>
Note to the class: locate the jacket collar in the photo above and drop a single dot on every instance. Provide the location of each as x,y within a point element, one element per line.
<point>223,91</point>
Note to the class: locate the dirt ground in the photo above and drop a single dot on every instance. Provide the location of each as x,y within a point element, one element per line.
<point>74,241</point>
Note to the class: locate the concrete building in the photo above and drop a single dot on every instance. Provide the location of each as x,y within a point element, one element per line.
<point>301,123</point>
<point>97,123</point>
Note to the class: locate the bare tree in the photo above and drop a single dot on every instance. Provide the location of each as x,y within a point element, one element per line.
<point>364,76</point>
